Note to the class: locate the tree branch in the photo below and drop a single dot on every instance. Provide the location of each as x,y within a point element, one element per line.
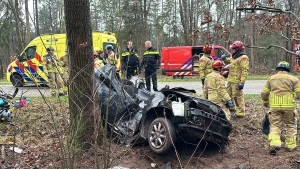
<point>269,9</point>
<point>276,46</point>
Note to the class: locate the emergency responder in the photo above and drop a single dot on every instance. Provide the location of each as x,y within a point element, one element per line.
<point>130,61</point>
<point>99,59</point>
<point>214,89</point>
<point>65,71</point>
<point>279,94</point>
<point>51,67</point>
<point>111,58</point>
<point>238,72</point>
<point>205,63</point>
<point>151,62</point>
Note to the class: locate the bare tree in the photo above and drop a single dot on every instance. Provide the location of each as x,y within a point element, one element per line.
<point>27,22</point>
<point>81,88</point>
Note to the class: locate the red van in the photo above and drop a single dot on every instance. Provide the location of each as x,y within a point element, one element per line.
<point>180,61</point>
<point>297,56</point>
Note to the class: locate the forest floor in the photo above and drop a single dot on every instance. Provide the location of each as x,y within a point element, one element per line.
<point>40,145</point>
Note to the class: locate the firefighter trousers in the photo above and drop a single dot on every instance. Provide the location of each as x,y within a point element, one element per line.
<point>288,117</point>
<point>237,98</point>
<point>56,85</point>
<point>150,72</point>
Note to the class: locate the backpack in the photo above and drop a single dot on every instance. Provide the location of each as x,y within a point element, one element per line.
<point>133,60</point>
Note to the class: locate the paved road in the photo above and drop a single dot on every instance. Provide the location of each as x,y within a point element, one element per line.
<point>251,87</point>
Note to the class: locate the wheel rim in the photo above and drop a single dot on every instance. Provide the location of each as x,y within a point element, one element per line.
<point>158,135</point>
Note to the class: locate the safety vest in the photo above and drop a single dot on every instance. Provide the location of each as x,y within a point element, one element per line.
<point>280,89</point>
<point>205,65</point>
<point>238,69</point>
<point>214,87</point>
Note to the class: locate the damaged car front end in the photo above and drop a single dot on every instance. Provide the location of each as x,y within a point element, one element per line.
<point>161,118</point>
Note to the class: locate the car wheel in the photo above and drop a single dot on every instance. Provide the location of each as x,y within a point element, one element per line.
<point>181,76</point>
<point>174,77</point>
<point>161,134</point>
<point>17,80</point>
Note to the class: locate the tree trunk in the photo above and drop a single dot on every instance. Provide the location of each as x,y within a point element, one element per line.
<point>81,88</point>
<point>27,22</point>
<point>37,28</point>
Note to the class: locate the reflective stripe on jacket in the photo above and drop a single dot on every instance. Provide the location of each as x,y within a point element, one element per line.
<point>205,65</point>
<point>214,87</point>
<point>280,89</point>
<point>238,69</point>
<point>151,58</point>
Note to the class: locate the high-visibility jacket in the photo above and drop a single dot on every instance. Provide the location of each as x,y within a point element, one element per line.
<point>238,69</point>
<point>151,58</point>
<point>112,58</point>
<point>98,63</point>
<point>214,87</point>
<point>205,65</point>
<point>51,64</point>
<point>280,90</point>
<point>64,62</point>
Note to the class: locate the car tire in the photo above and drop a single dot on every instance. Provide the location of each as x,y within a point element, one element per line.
<point>17,80</point>
<point>161,134</point>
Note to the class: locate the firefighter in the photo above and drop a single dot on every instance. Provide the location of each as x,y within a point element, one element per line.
<point>65,71</point>
<point>130,61</point>
<point>111,58</point>
<point>279,95</point>
<point>99,59</point>
<point>51,67</point>
<point>151,62</point>
<point>205,63</point>
<point>238,72</point>
<point>214,89</point>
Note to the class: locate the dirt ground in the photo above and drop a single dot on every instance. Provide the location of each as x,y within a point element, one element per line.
<point>248,147</point>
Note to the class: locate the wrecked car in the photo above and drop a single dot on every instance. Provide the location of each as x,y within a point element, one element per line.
<point>162,117</point>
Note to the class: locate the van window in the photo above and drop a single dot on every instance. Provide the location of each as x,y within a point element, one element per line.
<point>220,52</point>
<point>28,54</point>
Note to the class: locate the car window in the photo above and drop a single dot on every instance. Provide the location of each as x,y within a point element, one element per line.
<point>28,54</point>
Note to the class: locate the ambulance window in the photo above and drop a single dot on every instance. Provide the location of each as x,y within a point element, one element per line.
<point>29,53</point>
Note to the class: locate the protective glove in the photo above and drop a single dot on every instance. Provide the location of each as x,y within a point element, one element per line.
<point>224,56</point>
<point>203,80</point>
<point>241,86</point>
<point>229,105</point>
<point>267,105</point>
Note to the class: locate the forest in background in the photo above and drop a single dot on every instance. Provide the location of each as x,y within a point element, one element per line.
<point>165,23</point>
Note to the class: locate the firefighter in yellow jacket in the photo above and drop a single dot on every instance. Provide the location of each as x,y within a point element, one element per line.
<point>65,71</point>
<point>51,66</point>
<point>279,94</point>
<point>205,63</point>
<point>215,91</point>
<point>238,72</point>
<point>111,58</point>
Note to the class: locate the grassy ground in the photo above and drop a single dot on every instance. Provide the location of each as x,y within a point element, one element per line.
<point>40,142</point>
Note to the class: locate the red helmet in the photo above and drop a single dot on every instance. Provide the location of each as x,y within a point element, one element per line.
<point>225,71</point>
<point>217,64</point>
<point>207,48</point>
<point>237,45</point>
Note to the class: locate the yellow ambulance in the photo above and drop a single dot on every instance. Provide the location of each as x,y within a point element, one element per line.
<point>28,68</point>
